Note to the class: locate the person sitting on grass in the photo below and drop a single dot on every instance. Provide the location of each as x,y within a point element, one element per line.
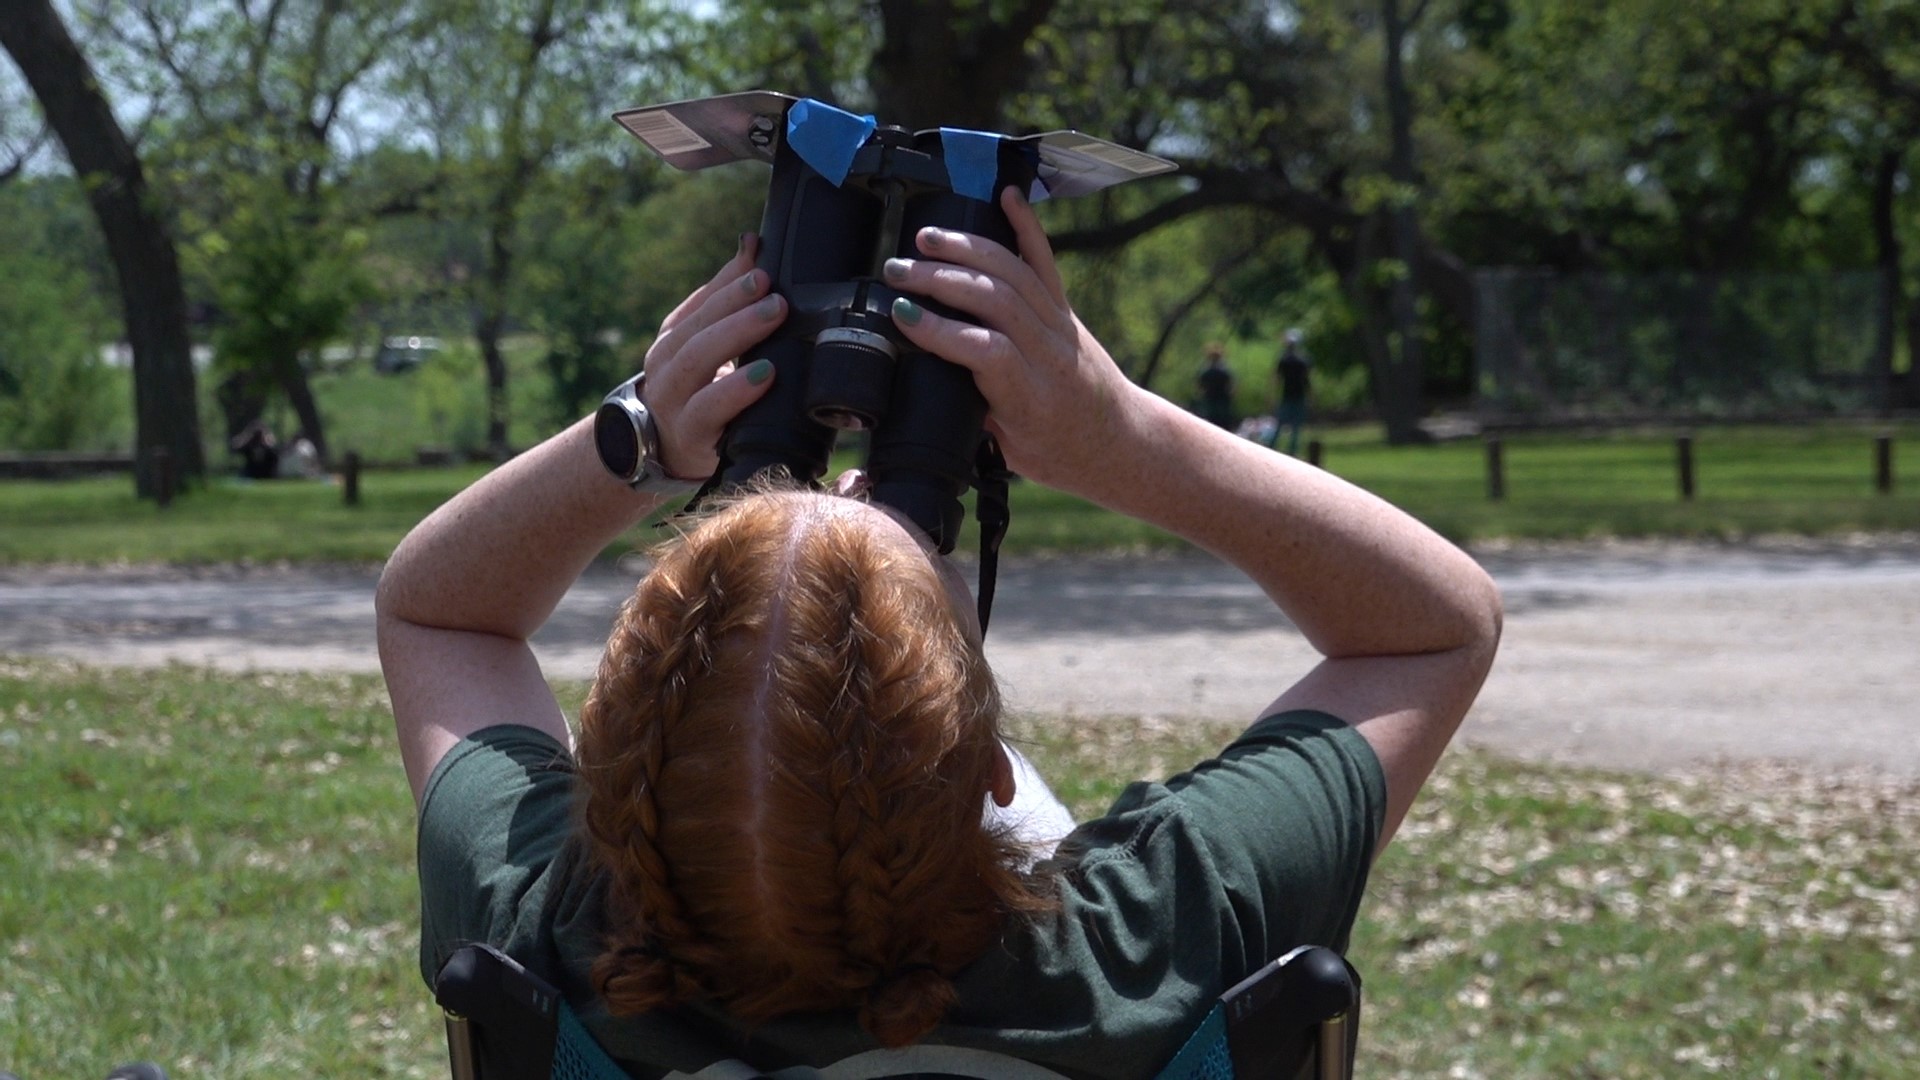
<point>788,830</point>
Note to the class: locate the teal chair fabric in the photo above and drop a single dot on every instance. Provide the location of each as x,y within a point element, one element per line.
<point>1295,1019</point>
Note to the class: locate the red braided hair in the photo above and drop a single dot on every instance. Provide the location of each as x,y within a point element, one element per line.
<point>785,759</point>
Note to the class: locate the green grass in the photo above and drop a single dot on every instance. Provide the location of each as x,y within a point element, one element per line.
<point>209,873</point>
<point>216,873</point>
<point>97,520</point>
<point>1750,481</point>
<point>1806,479</point>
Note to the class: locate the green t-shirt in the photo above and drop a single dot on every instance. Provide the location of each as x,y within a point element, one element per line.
<point>1180,891</point>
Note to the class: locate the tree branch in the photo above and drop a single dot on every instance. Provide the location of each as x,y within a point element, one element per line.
<point>25,155</point>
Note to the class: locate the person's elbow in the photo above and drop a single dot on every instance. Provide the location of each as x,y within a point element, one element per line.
<point>1483,616</point>
<point>394,595</point>
<point>1468,620</point>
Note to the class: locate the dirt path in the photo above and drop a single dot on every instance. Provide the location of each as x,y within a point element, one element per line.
<point>1646,656</point>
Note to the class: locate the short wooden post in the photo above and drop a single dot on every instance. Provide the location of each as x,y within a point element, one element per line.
<point>162,476</point>
<point>1496,470</point>
<point>1313,452</point>
<point>1883,464</point>
<point>1684,446</point>
<point>350,478</point>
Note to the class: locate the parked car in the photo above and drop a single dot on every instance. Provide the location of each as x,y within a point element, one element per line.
<point>398,354</point>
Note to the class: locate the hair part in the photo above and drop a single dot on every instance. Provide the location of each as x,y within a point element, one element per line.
<point>784,762</point>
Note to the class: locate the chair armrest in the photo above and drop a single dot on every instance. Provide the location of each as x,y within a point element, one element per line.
<point>1297,1017</point>
<point>502,1020</point>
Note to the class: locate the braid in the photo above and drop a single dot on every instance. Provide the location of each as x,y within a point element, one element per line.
<point>869,778</point>
<point>783,762</point>
<point>853,769</point>
<point>655,949</point>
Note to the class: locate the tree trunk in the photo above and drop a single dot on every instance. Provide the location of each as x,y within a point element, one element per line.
<point>299,391</point>
<point>487,331</point>
<point>1913,353</point>
<point>151,295</point>
<point>1886,177</point>
<point>242,397</point>
<point>1400,397</point>
<point>1396,389</point>
<point>942,63</point>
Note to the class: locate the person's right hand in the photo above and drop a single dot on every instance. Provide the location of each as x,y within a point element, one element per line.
<point>693,388</point>
<point>1055,399</point>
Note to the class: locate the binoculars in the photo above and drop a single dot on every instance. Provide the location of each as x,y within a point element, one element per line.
<point>846,195</point>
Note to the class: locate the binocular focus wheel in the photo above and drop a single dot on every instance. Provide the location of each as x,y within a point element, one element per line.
<point>851,379</point>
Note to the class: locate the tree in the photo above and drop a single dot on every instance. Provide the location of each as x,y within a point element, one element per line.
<point>1275,110</point>
<point>507,88</point>
<point>153,299</point>
<point>1884,121</point>
<point>252,97</point>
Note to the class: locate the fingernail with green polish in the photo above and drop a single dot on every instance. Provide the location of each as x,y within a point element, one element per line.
<point>895,269</point>
<point>906,310</point>
<point>768,308</point>
<point>750,283</point>
<point>759,371</point>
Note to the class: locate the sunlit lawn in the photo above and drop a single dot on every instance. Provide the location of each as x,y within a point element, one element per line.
<point>1806,480</point>
<point>216,873</point>
<point>1747,481</point>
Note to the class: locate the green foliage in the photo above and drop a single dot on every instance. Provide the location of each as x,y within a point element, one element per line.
<point>285,277</point>
<point>679,238</point>
<point>445,414</point>
<point>486,188</point>
<point>56,392</point>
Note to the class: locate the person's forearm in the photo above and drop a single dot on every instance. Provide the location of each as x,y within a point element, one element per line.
<point>1357,576</point>
<point>499,556</point>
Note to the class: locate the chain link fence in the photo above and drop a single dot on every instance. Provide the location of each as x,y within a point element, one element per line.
<point>1552,347</point>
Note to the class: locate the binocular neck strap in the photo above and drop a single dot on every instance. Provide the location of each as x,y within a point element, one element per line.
<point>990,507</point>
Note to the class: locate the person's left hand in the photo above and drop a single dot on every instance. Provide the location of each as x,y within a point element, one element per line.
<point>1055,398</point>
<point>693,388</point>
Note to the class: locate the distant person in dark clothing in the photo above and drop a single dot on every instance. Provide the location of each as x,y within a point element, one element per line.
<point>1294,374</point>
<point>259,452</point>
<point>1216,389</point>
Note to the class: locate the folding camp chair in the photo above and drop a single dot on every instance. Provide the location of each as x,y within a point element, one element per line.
<point>1298,1018</point>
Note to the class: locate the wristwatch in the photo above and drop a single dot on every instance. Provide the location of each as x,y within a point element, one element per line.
<point>629,442</point>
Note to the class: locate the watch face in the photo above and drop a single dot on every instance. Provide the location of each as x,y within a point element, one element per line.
<point>618,439</point>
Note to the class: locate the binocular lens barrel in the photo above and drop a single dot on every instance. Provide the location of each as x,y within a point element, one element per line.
<point>775,431</point>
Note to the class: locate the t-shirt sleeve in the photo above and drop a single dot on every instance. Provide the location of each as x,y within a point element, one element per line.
<point>1231,864</point>
<point>495,813</point>
<point>1178,892</point>
<point>1290,817</point>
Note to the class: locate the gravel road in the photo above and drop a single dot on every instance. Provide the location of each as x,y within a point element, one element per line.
<point>1658,656</point>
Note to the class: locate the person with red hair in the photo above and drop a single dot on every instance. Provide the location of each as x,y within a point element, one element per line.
<point>788,830</point>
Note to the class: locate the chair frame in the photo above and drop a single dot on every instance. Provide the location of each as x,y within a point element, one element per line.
<point>1297,1018</point>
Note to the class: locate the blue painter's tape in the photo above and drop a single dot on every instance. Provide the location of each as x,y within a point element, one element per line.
<point>825,137</point>
<point>973,161</point>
